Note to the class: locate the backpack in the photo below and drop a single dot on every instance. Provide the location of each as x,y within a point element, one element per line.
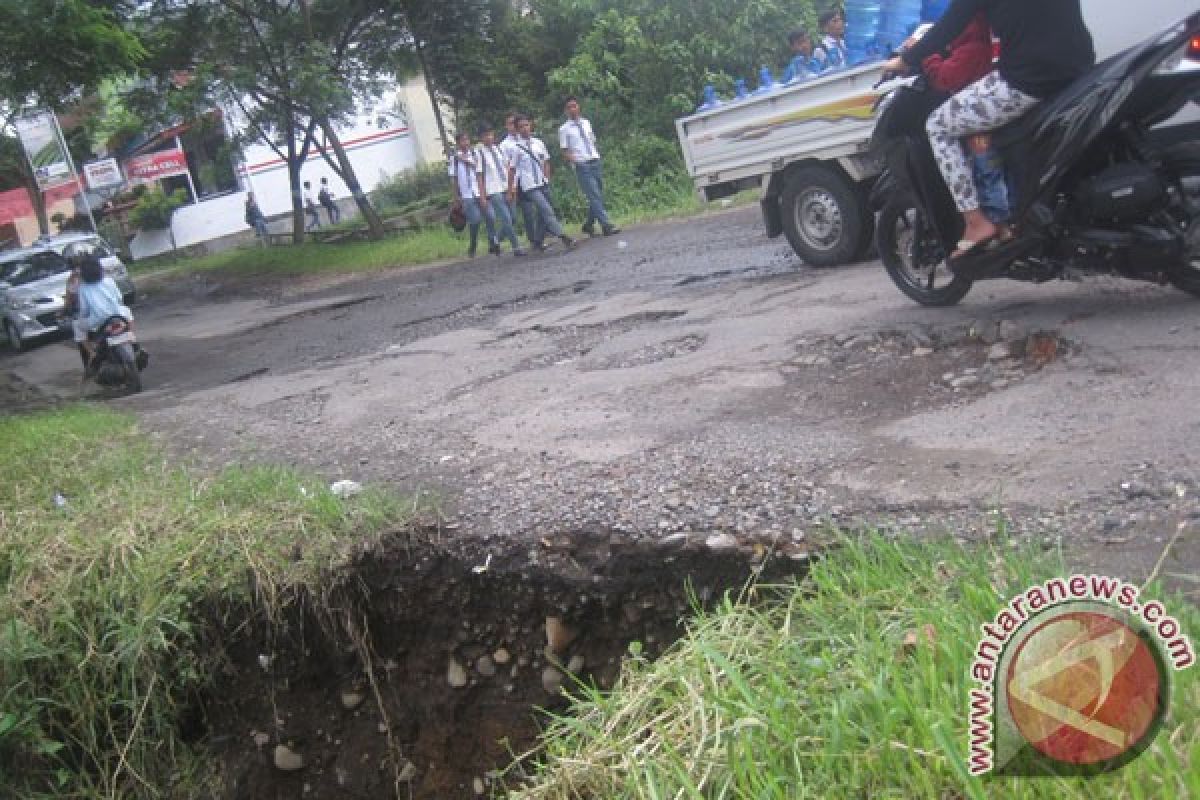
<point>324,197</point>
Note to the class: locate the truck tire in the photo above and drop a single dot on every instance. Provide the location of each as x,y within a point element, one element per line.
<point>823,216</point>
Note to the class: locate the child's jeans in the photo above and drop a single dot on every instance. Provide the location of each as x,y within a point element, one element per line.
<point>989,179</point>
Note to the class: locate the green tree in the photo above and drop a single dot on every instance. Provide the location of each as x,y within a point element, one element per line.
<point>51,53</point>
<point>644,63</point>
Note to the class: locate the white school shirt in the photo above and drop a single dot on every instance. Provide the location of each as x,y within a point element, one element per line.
<point>462,169</point>
<point>578,139</point>
<point>492,164</point>
<point>526,157</point>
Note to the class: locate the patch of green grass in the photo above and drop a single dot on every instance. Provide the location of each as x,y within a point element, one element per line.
<point>108,592</point>
<point>807,695</point>
<point>419,247</point>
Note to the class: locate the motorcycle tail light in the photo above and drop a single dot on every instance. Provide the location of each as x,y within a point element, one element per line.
<point>114,328</point>
<point>1193,50</point>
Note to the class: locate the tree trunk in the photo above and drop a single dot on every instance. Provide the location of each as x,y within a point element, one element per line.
<point>294,163</point>
<point>346,173</point>
<point>437,109</point>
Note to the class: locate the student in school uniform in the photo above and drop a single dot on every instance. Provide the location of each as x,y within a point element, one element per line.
<point>578,143</point>
<point>533,231</point>
<point>464,182</point>
<point>529,171</point>
<point>491,164</point>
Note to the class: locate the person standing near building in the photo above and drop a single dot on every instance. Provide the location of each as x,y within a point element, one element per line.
<point>310,208</point>
<point>325,198</point>
<point>255,218</point>
<point>533,230</point>
<point>491,163</point>
<point>578,143</point>
<point>530,171</point>
<point>464,182</point>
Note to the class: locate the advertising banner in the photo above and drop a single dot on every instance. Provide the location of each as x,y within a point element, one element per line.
<point>103,173</point>
<point>152,166</point>
<point>47,155</point>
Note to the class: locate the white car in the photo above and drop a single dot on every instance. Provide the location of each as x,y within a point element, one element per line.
<point>67,244</point>
<point>33,282</point>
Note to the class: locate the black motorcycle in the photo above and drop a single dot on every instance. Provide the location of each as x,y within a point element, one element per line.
<point>1092,187</point>
<point>117,359</point>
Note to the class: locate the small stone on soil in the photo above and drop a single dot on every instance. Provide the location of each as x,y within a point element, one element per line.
<point>501,656</point>
<point>485,666</point>
<point>558,634</point>
<point>287,760</point>
<point>352,700</point>
<point>456,675</point>
<point>552,680</point>
<point>721,542</point>
<point>576,664</point>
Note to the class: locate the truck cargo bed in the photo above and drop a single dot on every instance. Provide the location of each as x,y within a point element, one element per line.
<point>823,118</point>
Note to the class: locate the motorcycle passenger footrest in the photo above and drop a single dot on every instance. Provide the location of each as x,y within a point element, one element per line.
<point>994,262</point>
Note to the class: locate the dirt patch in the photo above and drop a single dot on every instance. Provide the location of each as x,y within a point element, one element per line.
<point>893,374</point>
<point>421,672</point>
<point>18,396</point>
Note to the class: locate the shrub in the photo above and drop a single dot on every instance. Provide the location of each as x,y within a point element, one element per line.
<point>423,185</point>
<point>155,207</point>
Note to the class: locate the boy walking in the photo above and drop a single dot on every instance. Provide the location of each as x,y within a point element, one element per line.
<point>529,170</point>
<point>255,218</point>
<point>532,224</point>
<point>325,198</point>
<point>310,208</point>
<point>492,167</point>
<point>464,182</point>
<point>578,143</point>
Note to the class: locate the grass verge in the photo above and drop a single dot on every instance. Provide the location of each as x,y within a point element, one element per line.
<point>806,695</point>
<point>419,247</point>
<point>425,246</point>
<point>112,561</point>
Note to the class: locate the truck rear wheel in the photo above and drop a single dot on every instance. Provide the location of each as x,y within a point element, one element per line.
<point>823,217</point>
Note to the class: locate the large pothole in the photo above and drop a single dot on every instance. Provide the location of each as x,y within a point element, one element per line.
<point>422,671</point>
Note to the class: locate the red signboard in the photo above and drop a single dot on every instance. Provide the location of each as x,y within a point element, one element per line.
<point>152,166</point>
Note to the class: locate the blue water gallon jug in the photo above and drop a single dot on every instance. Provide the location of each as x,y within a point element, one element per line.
<point>864,18</point>
<point>766,81</point>
<point>900,18</point>
<point>932,10</point>
<point>710,99</point>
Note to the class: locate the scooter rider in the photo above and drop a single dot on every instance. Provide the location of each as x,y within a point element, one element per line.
<point>1044,46</point>
<point>99,300</point>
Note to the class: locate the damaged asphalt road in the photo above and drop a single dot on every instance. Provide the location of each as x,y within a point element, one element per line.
<point>700,382</point>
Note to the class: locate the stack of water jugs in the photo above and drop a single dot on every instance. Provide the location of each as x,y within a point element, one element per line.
<point>874,29</point>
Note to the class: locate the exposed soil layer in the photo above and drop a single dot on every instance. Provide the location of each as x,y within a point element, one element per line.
<point>421,671</point>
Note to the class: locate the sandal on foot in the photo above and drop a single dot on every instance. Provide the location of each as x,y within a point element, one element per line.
<point>966,247</point>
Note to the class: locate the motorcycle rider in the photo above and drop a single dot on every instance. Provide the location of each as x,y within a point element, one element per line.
<point>99,299</point>
<point>1044,46</point>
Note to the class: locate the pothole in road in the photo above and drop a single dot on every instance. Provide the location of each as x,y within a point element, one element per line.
<point>421,672</point>
<point>894,373</point>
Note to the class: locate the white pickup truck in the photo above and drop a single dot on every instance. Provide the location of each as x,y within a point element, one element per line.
<point>805,145</point>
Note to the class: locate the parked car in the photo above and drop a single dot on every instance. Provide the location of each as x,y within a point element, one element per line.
<point>33,282</point>
<point>68,244</point>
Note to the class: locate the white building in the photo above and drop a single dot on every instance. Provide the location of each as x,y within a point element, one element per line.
<point>397,134</point>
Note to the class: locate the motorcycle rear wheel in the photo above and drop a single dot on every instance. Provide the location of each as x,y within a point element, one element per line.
<point>133,378</point>
<point>1183,161</point>
<point>929,282</point>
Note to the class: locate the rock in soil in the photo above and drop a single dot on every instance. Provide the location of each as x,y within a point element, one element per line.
<point>456,675</point>
<point>558,634</point>
<point>287,760</point>
<point>352,700</point>
<point>552,680</point>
